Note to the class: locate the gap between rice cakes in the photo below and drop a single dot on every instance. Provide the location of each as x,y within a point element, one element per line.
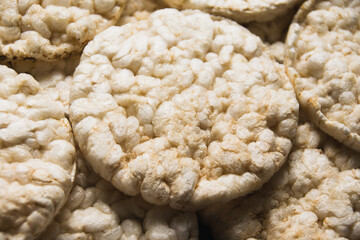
<point>242,11</point>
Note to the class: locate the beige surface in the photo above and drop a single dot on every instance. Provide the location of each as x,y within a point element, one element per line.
<point>52,29</point>
<point>96,210</point>
<point>37,156</point>
<point>314,196</point>
<point>323,62</point>
<point>184,114</point>
<point>239,10</point>
<point>54,77</point>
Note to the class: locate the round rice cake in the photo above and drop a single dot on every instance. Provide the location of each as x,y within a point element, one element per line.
<point>323,62</point>
<point>315,195</point>
<point>184,114</point>
<point>239,10</point>
<point>96,210</point>
<point>52,29</point>
<point>37,156</point>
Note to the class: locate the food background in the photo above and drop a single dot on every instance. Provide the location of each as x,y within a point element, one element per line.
<point>55,76</point>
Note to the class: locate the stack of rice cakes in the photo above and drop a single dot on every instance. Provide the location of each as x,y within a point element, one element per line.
<point>180,117</point>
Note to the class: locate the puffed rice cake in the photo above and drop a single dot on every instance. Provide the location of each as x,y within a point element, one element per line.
<point>37,156</point>
<point>51,29</point>
<point>322,60</point>
<point>315,195</point>
<point>184,114</point>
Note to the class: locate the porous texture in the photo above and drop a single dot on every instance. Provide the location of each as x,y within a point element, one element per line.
<point>49,29</point>
<point>316,195</point>
<point>239,10</point>
<point>96,210</point>
<point>323,62</point>
<point>178,129</point>
<point>184,114</point>
<point>37,156</point>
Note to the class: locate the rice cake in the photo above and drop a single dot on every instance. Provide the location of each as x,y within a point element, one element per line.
<point>323,62</point>
<point>37,156</point>
<point>184,114</point>
<point>50,29</point>
<point>315,195</point>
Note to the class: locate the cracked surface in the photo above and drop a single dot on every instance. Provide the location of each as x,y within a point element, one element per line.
<point>322,60</point>
<point>239,10</point>
<point>316,195</point>
<point>96,210</point>
<point>49,29</point>
<point>182,114</point>
<point>37,156</point>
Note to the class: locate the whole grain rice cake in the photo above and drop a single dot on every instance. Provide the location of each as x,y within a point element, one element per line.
<point>184,114</point>
<point>51,29</point>
<point>37,156</point>
<point>323,62</point>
